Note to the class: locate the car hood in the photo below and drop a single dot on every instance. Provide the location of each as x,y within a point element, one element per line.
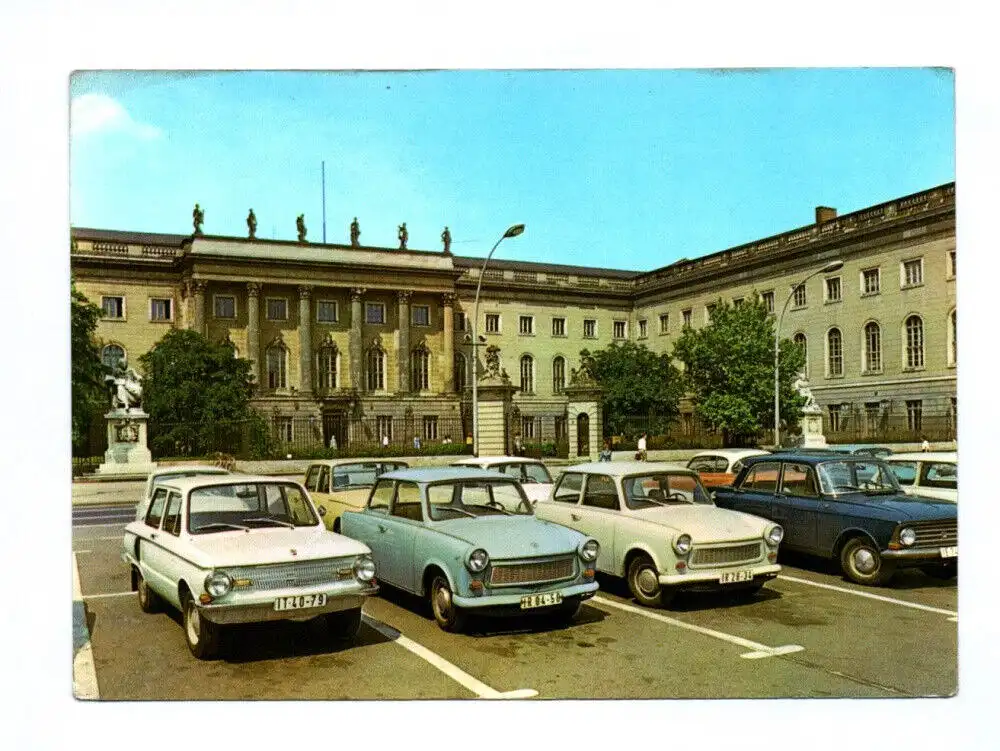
<point>513,536</point>
<point>706,523</point>
<point>274,545</point>
<point>904,507</point>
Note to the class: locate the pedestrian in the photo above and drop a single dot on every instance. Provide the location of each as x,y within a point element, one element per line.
<point>385,441</point>
<point>925,444</point>
<point>518,446</point>
<point>416,443</point>
<point>447,439</point>
<point>641,453</point>
<point>605,452</point>
<point>468,440</point>
<point>333,442</point>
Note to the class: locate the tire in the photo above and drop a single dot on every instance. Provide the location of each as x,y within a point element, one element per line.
<point>644,584</point>
<point>202,636</point>
<point>149,601</point>
<point>344,625</point>
<point>862,562</point>
<point>448,616</point>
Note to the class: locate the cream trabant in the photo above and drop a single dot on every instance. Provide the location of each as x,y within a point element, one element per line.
<point>339,485</point>
<point>658,527</point>
<point>235,549</point>
<point>531,473</point>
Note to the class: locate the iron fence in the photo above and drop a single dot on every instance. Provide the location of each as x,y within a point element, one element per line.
<point>662,432</point>
<point>858,427</point>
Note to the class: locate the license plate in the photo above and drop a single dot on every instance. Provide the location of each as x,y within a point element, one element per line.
<point>540,601</point>
<point>950,552</point>
<point>300,602</point>
<point>732,577</point>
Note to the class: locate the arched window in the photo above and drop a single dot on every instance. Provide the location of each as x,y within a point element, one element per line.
<point>328,356</point>
<point>835,353</point>
<point>111,355</point>
<point>953,338</point>
<point>527,374</point>
<point>461,372</point>
<point>800,341</point>
<point>558,375</point>
<point>873,348</point>
<point>420,366</point>
<point>375,369</point>
<point>277,366</point>
<point>914,342</point>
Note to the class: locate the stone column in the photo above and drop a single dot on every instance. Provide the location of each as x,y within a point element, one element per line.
<point>584,397</point>
<point>253,329</point>
<point>493,403</point>
<point>448,350</point>
<point>305,339</point>
<point>354,345</point>
<point>404,342</point>
<point>198,288</point>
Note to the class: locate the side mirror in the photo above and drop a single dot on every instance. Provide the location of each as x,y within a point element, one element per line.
<point>322,510</point>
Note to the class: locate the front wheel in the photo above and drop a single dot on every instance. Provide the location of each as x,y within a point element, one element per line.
<point>149,601</point>
<point>448,616</point>
<point>862,562</point>
<point>344,625</point>
<point>202,635</point>
<point>644,581</point>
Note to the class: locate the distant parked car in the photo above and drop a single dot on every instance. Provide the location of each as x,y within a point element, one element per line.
<point>720,466</point>
<point>931,474</point>
<point>658,528</point>
<point>531,473</point>
<point>862,449</point>
<point>166,474</point>
<point>467,539</point>
<point>239,549</point>
<point>339,485</point>
<point>851,509</point>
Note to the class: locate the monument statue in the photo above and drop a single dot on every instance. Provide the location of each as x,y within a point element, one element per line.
<point>252,224</point>
<point>801,385</point>
<point>126,387</point>
<point>355,233</point>
<point>198,216</point>
<point>403,236</point>
<point>446,239</point>
<point>300,225</point>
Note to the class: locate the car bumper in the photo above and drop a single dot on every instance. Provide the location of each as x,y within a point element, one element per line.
<point>917,556</point>
<point>259,607</point>
<point>709,580</point>
<point>511,603</point>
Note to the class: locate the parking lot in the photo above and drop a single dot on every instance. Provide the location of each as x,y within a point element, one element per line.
<point>809,633</point>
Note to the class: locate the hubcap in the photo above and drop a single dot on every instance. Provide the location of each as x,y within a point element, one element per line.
<point>647,581</point>
<point>864,560</point>
<point>143,594</point>
<point>442,601</point>
<point>193,624</point>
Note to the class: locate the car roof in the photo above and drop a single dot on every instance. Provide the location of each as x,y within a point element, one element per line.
<point>434,474</point>
<point>357,460</point>
<point>184,484</point>
<point>621,469</point>
<point>189,469</point>
<point>478,460</point>
<point>731,452</point>
<point>812,458</point>
<point>925,456</point>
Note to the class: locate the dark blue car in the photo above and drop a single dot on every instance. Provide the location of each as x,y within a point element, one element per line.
<point>849,508</point>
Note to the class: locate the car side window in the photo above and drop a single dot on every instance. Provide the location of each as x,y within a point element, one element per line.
<point>407,503</point>
<point>155,513</point>
<point>601,492</point>
<point>381,496</point>
<point>798,480</point>
<point>312,476</point>
<point>512,470</point>
<point>172,518</point>
<point>702,464</point>
<point>906,472</point>
<point>324,481</point>
<point>761,477</point>
<point>569,487</point>
<point>536,473</point>
<point>939,475</point>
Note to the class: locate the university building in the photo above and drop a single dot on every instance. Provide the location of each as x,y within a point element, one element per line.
<point>339,331</point>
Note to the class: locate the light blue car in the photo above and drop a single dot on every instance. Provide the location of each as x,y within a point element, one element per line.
<point>468,540</point>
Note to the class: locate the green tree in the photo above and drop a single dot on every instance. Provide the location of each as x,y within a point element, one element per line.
<point>729,371</point>
<point>198,395</point>
<point>86,371</point>
<point>637,382</point>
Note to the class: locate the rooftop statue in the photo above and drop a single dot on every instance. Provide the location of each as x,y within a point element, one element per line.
<point>198,217</point>
<point>126,387</point>
<point>355,233</point>
<point>300,225</point>
<point>446,239</point>
<point>403,236</point>
<point>252,224</point>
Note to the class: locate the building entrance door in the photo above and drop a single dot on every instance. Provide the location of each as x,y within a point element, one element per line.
<point>335,429</point>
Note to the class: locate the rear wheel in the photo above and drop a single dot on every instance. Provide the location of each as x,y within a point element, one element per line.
<point>202,635</point>
<point>149,601</point>
<point>644,581</point>
<point>448,616</point>
<point>344,625</point>
<point>862,562</point>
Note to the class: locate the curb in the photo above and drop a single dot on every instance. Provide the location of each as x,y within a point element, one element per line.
<point>84,673</point>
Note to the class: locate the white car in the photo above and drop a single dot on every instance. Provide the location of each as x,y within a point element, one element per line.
<point>658,527</point>
<point>240,549</point>
<point>165,474</point>
<point>720,466</point>
<point>931,474</point>
<point>531,473</point>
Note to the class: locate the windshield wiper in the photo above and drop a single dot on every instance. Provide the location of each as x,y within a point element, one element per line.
<point>269,519</point>
<point>459,510</point>
<point>501,509</point>
<point>220,524</point>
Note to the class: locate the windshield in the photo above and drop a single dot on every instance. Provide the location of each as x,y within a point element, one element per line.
<point>869,476</point>
<point>361,475</point>
<point>664,489</point>
<point>451,500</point>
<point>536,473</point>
<point>248,506</point>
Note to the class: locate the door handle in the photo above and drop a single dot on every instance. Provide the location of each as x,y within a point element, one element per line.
<point>152,535</point>
<point>381,528</point>
<point>574,517</point>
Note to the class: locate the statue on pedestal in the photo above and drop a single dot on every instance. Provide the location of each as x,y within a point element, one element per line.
<point>403,236</point>
<point>252,224</point>
<point>300,225</point>
<point>198,217</point>
<point>126,387</point>
<point>355,233</point>
<point>446,239</point>
<point>801,385</point>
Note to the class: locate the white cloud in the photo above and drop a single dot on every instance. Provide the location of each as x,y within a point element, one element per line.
<point>96,113</point>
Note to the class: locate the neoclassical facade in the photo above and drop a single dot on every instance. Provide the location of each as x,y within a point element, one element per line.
<point>332,330</point>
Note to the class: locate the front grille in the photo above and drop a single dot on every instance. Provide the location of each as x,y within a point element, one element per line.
<point>284,575</point>
<point>943,533</point>
<point>532,572</point>
<point>715,556</point>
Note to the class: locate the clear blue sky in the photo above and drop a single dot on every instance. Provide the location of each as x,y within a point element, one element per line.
<point>623,169</point>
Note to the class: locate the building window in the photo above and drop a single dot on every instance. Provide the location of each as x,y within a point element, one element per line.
<point>558,327</point>
<point>527,427</point>
<point>710,311</point>
<point>161,309</point>
<point>664,323</point>
<point>686,318</point>
<point>284,427</point>
<point>375,313</point>
<point>952,265</point>
<point>833,289</point>
<point>619,329</point>
<point>461,322</point>
<point>873,348</point>
<point>589,328</point>
<point>113,307</point>
<point>327,311</point>
<point>375,370</point>
<point>111,355</point>
<point>558,375</point>
<point>913,272</point>
<point>492,323</point>
<point>642,329</point>
<point>834,410</point>
<point>277,366</point>
<point>953,338</point>
<point>870,282</point>
<point>420,315</point>
<point>430,427</point>
<point>383,425</point>
<point>328,367</point>
<point>914,342</point>
<point>768,300</point>
<point>420,366</point>
<point>914,414</point>
<point>560,428</point>
<point>225,306</point>
<point>461,372</point>
<point>277,309</point>
<point>527,374</point>
<point>800,341</point>
<point>799,296</point>
<point>834,353</point>
<point>526,325</point>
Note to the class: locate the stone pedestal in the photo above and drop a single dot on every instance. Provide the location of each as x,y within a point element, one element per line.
<point>584,419</point>
<point>127,453</point>
<point>493,403</point>
<point>812,428</point>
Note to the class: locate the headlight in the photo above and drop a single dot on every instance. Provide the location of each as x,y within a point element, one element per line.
<point>364,568</point>
<point>907,536</point>
<point>682,545</point>
<point>589,550</point>
<point>774,535</point>
<point>478,560</point>
<point>218,583</point>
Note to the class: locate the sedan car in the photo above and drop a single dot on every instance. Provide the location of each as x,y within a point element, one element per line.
<point>240,549</point>
<point>165,474</point>
<point>341,485</point>
<point>467,539</point>
<point>531,473</point>
<point>931,474</point>
<point>658,528</point>
<point>851,509</point>
<point>720,466</point>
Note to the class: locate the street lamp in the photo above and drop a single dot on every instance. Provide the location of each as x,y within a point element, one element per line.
<point>512,231</point>
<point>829,268</point>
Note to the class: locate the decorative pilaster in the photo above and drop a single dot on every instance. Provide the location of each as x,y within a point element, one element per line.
<point>354,344</point>
<point>198,291</point>
<point>305,339</point>
<point>448,350</point>
<point>403,297</point>
<point>253,329</point>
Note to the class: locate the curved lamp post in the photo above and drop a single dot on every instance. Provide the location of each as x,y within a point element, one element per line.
<point>829,268</point>
<point>512,231</point>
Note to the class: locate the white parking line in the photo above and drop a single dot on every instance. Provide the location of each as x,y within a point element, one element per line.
<point>92,539</point>
<point>95,518</point>
<point>458,675</point>
<point>84,673</point>
<point>759,650</point>
<point>108,594</point>
<point>870,596</point>
<point>119,524</point>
